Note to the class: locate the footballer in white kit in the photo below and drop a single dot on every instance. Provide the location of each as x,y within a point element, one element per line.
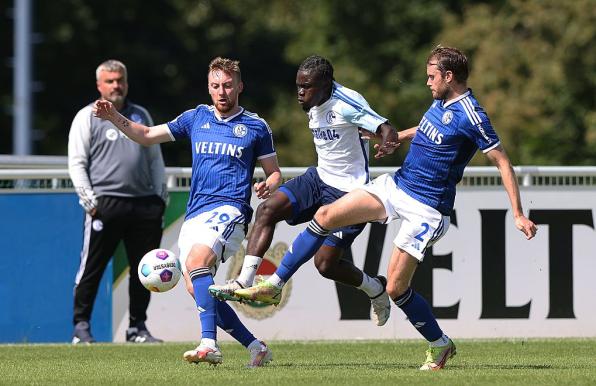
<point>336,114</point>
<point>342,153</point>
<point>342,159</point>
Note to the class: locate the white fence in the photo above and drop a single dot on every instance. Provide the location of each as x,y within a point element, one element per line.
<point>178,178</point>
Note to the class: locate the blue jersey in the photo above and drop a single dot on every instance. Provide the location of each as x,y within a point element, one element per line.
<point>224,154</point>
<point>447,138</point>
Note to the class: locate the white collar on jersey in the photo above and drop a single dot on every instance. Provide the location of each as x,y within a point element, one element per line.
<point>452,101</point>
<point>329,101</point>
<point>226,119</point>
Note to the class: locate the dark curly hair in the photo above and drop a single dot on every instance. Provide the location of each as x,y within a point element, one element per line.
<point>318,66</point>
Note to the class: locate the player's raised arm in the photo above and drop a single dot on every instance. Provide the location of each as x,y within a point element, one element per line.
<point>500,159</point>
<point>139,133</point>
<point>270,166</point>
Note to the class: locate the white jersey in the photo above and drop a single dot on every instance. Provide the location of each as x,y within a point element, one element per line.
<point>342,154</point>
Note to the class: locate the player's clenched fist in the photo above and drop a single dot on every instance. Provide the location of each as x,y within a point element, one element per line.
<point>526,226</point>
<point>103,109</point>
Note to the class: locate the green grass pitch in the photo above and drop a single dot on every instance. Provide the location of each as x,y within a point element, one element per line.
<point>478,362</point>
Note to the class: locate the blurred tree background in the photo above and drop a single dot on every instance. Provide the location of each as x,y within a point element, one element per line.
<point>533,64</point>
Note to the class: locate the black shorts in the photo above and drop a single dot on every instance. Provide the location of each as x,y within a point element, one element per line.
<point>308,193</point>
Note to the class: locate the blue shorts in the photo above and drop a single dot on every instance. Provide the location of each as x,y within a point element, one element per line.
<point>308,193</point>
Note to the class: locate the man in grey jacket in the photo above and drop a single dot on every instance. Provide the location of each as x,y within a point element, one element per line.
<point>121,186</point>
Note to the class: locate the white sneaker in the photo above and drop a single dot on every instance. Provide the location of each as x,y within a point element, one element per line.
<point>381,304</point>
<point>260,356</point>
<point>204,354</point>
<point>226,291</point>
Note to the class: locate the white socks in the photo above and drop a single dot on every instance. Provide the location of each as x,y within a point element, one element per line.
<point>249,270</point>
<point>254,345</point>
<point>442,341</point>
<point>208,342</point>
<point>371,286</point>
<point>276,281</point>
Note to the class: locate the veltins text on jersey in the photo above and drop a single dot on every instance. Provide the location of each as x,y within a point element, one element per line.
<point>218,148</point>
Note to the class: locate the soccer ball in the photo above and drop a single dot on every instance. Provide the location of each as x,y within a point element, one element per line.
<point>159,270</point>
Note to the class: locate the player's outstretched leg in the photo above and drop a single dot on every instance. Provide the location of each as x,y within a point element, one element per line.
<point>303,248</point>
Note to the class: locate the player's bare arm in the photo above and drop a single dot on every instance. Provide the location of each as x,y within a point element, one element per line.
<point>139,133</point>
<point>402,136</point>
<point>500,159</point>
<point>407,134</point>
<point>264,189</point>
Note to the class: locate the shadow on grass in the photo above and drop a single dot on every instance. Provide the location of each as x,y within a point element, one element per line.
<point>496,366</point>
<point>405,366</point>
<point>347,366</point>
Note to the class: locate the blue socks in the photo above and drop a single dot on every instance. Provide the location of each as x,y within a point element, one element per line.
<point>419,314</point>
<point>201,280</point>
<point>303,249</point>
<point>228,321</point>
<point>213,311</point>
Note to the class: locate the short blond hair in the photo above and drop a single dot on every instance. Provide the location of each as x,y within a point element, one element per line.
<point>111,65</point>
<point>230,66</point>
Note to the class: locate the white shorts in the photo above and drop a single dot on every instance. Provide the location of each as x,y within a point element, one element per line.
<point>222,229</point>
<point>421,226</point>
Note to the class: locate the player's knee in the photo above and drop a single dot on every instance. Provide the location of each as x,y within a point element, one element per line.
<point>325,267</point>
<point>198,258</point>
<point>267,213</point>
<point>396,288</point>
<point>323,217</point>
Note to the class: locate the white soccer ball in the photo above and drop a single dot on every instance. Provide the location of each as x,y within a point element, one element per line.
<point>159,270</point>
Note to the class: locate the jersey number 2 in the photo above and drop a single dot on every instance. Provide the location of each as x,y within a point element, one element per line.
<point>419,235</point>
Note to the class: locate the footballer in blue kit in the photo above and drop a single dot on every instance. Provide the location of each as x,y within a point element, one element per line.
<point>224,153</point>
<point>447,138</point>
<point>226,142</point>
<point>421,194</point>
